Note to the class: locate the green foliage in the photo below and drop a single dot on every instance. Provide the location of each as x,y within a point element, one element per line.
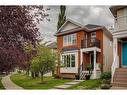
<point>44,61</point>
<point>1,85</point>
<point>28,83</point>
<point>89,67</point>
<point>106,75</point>
<point>61,17</point>
<point>19,71</point>
<point>87,84</point>
<point>106,81</point>
<point>105,86</point>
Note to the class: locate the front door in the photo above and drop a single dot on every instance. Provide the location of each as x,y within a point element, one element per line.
<point>124,54</point>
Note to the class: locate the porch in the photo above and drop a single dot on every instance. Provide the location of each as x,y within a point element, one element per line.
<point>90,56</point>
<point>119,51</point>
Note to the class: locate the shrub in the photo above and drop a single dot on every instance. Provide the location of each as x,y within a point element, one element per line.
<point>19,72</point>
<point>105,86</point>
<point>106,81</point>
<point>106,75</point>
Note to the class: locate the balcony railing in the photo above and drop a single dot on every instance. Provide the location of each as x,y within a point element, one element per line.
<point>121,23</point>
<point>93,42</point>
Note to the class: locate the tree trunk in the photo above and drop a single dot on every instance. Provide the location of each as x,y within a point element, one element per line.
<point>42,78</point>
<point>32,74</point>
<point>53,71</point>
<point>27,72</point>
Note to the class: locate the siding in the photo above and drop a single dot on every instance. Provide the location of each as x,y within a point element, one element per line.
<point>108,53</point>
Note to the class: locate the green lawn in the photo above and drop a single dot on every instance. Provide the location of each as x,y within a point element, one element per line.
<point>29,83</point>
<point>88,84</point>
<point>1,86</point>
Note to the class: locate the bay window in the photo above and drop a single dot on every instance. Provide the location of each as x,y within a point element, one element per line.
<point>68,60</point>
<point>69,39</point>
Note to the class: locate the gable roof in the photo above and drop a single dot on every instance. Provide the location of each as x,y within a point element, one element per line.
<point>92,26</point>
<point>70,21</point>
<point>87,28</point>
<point>52,45</point>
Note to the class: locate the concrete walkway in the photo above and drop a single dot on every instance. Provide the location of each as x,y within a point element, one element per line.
<point>67,85</point>
<point>8,84</point>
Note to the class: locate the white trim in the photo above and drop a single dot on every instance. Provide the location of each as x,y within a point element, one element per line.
<point>120,34</point>
<point>90,49</point>
<point>70,69</point>
<point>73,22</point>
<point>70,51</point>
<point>69,39</point>
<point>94,70</point>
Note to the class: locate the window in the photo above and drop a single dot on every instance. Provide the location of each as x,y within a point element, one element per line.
<point>72,60</point>
<point>68,60</point>
<point>69,39</point>
<point>65,40</point>
<point>93,36</point>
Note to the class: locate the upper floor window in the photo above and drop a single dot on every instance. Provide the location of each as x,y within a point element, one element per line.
<point>93,36</point>
<point>69,39</point>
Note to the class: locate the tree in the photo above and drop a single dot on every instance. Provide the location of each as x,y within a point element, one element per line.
<point>43,62</point>
<point>18,27</point>
<point>61,17</point>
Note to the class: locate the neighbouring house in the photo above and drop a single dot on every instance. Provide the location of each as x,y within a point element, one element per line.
<point>119,66</point>
<point>80,45</point>
<point>53,46</point>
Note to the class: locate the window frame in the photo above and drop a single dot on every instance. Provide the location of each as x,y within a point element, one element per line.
<point>65,64</point>
<point>93,34</point>
<point>70,39</point>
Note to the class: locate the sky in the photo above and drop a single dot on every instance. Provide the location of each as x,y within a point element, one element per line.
<point>99,15</point>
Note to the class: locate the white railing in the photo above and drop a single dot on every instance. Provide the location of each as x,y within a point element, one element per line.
<point>121,23</point>
<point>115,65</point>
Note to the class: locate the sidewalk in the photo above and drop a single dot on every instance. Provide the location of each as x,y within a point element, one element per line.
<point>8,84</point>
<point>68,84</point>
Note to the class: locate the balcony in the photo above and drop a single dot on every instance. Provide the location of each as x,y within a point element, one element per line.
<point>121,23</point>
<point>86,43</point>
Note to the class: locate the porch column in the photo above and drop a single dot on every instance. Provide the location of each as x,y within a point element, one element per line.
<point>115,49</point>
<point>81,57</point>
<point>94,70</point>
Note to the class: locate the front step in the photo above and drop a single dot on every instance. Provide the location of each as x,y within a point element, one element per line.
<point>119,84</point>
<point>120,77</point>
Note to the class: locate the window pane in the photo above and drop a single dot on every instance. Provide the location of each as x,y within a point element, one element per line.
<point>74,39</point>
<point>93,35</point>
<point>69,39</point>
<point>65,40</point>
<point>63,60</point>
<point>73,60</point>
<point>68,60</point>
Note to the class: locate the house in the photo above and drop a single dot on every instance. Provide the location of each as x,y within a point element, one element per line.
<point>80,45</point>
<point>53,46</point>
<point>119,66</point>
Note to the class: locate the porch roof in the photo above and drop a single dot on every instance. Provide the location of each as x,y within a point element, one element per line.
<point>90,49</point>
<point>120,34</point>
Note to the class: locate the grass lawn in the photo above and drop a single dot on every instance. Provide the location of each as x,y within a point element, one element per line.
<point>88,84</point>
<point>1,86</point>
<point>29,83</point>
